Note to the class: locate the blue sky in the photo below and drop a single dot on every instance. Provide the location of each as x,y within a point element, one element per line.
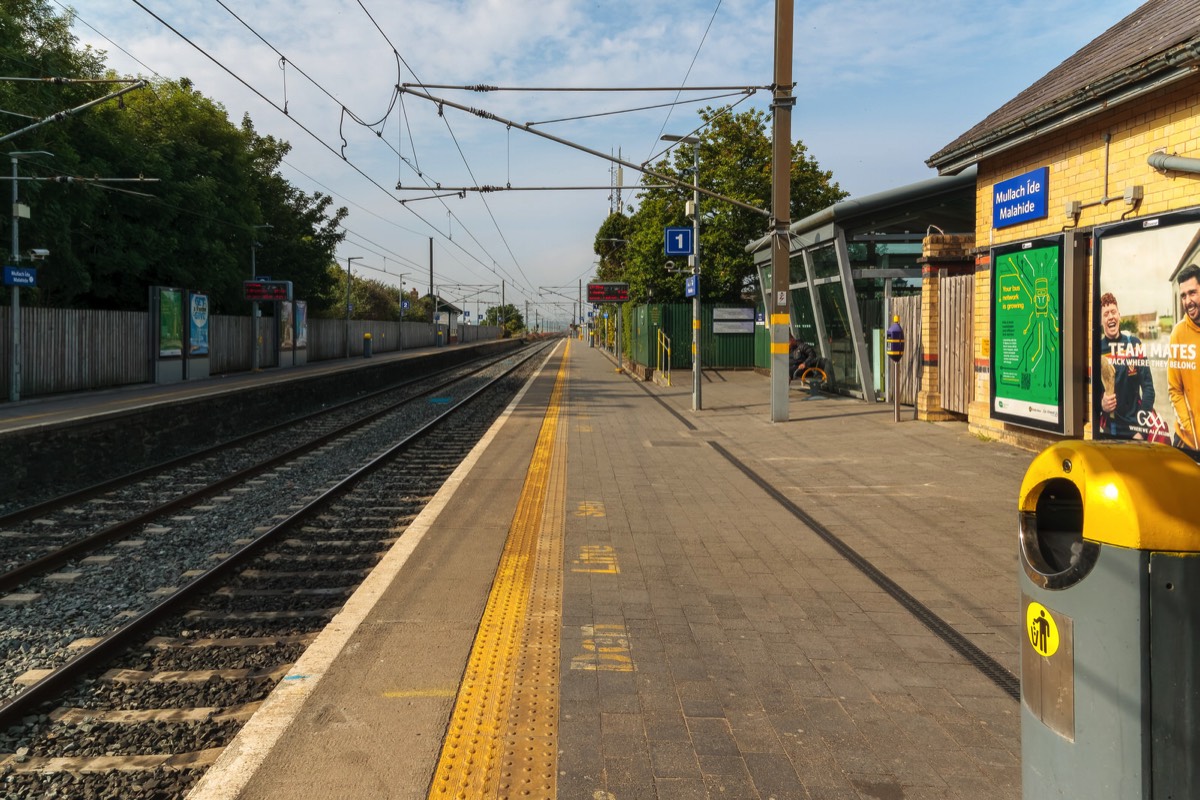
<point>881,86</point>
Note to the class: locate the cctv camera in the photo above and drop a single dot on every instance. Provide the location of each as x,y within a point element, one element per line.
<point>39,252</point>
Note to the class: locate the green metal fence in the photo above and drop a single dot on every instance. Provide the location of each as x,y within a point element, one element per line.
<point>717,350</point>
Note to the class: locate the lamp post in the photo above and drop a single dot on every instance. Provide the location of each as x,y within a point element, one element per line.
<point>694,262</point>
<point>254,337</point>
<point>349,278</point>
<point>14,384</point>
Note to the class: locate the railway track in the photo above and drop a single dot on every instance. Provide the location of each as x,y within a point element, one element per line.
<point>139,709</point>
<point>42,535</point>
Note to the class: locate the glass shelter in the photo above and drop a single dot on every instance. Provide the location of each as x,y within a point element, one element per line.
<point>848,260</point>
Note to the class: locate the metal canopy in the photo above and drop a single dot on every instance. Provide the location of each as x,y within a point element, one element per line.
<point>903,214</point>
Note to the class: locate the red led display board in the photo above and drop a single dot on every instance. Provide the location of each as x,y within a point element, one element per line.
<point>608,292</point>
<point>267,290</point>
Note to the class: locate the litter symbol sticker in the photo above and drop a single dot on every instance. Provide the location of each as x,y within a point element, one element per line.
<point>1043,633</point>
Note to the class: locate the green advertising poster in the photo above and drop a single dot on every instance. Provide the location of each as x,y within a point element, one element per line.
<point>170,322</point>
<point>1027,359</point>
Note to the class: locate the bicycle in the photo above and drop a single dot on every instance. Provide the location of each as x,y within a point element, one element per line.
<point>816,377</point>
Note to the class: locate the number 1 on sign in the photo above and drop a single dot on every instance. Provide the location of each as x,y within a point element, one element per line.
<point>680,245</point>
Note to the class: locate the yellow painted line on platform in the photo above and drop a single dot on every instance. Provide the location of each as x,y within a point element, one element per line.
<point>503,736</point>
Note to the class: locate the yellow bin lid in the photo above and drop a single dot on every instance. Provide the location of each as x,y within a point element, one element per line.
<point>1135,494</point>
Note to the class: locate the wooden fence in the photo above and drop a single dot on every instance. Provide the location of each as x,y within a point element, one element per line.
<point>908,308</point>
<point>956,354</point>
<point>73,350</point>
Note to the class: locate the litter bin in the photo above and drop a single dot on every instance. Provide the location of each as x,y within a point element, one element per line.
<point>366,345</point>
<point>1109,536</point>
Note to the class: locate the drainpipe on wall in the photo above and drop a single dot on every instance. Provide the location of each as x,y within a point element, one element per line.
<point>1178,163</point>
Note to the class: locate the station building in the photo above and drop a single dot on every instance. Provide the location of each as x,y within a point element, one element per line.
<point>1083,188</point>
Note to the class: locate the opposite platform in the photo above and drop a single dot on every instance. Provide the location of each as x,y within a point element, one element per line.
<point>724,630</point>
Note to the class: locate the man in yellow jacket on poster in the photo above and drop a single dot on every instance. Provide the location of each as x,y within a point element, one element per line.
<point>1183,374</point>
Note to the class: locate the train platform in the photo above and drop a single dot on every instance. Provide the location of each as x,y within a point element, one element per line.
<point>61,409</point>
<point>617,597</point>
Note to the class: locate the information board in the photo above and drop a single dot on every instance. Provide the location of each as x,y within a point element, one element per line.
<point>267,290</point>
<point>608,292</point>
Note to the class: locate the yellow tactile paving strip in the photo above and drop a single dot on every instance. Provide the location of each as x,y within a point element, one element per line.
<point>502,739</point>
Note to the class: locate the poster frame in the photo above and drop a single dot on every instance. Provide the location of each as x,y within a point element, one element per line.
<point>1071,337</point>
<point>1141,272</point>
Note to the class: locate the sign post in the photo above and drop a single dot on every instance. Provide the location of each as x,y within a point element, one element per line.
<point>682,242</point>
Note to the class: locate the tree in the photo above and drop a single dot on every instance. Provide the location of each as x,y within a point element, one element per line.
<point>510,320</point>
<point>420,308</point>
<point>735,161</point>
<point>369,298</point>
<point>217,185</point>
<point>611,245</point>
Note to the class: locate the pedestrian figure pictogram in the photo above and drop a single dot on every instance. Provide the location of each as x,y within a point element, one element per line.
<point>1042,631</point>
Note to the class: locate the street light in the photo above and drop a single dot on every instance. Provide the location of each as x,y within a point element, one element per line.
<point>18,210</point>
<point>694,262</point>
<point>349,278</point>
<point>254,332</point>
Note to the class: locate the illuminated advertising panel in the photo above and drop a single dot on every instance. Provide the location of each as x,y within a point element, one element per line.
<point>1027,336</point>
<point>1146,332</point>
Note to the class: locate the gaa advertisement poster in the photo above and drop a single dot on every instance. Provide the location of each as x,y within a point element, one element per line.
<point>1027,352</point>
<point>1146,330</point>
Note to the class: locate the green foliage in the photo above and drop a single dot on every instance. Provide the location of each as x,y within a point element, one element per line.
<point>369,298</point>
<point>216,186</point>
<point>511,320</point>
<point>735,162</point>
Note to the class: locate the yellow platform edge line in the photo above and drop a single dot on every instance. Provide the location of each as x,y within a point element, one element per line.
<point>513,666</point>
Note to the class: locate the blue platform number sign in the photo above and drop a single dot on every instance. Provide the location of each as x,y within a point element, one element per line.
<point>1021,199</point>
<point>678,242</point>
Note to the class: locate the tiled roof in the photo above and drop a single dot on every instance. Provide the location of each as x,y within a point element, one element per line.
<point>1127,53</point>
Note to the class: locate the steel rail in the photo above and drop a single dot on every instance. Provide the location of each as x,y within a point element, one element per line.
<point>110,645</point>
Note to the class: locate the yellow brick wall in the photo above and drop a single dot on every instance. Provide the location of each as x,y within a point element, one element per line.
<point>1167,120</point>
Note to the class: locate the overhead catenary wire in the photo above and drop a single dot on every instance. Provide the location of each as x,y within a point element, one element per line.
<point>455,240</point>
<point>457,146</point>
<point>313,135</point>
<point>304,128</point>
<point>480,87</point>
<point>673,103</point>
<point>695,56</point>
<point>636,167</point>
<point>493,268</point>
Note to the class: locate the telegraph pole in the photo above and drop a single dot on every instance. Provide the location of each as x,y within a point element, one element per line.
<point>777,302</point>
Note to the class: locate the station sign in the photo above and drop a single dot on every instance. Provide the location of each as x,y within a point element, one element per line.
<point>267,290</point>
<point>20,276</point>
<point>1021,199</point>
<point>608,292</point>
<point>677,241</point>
